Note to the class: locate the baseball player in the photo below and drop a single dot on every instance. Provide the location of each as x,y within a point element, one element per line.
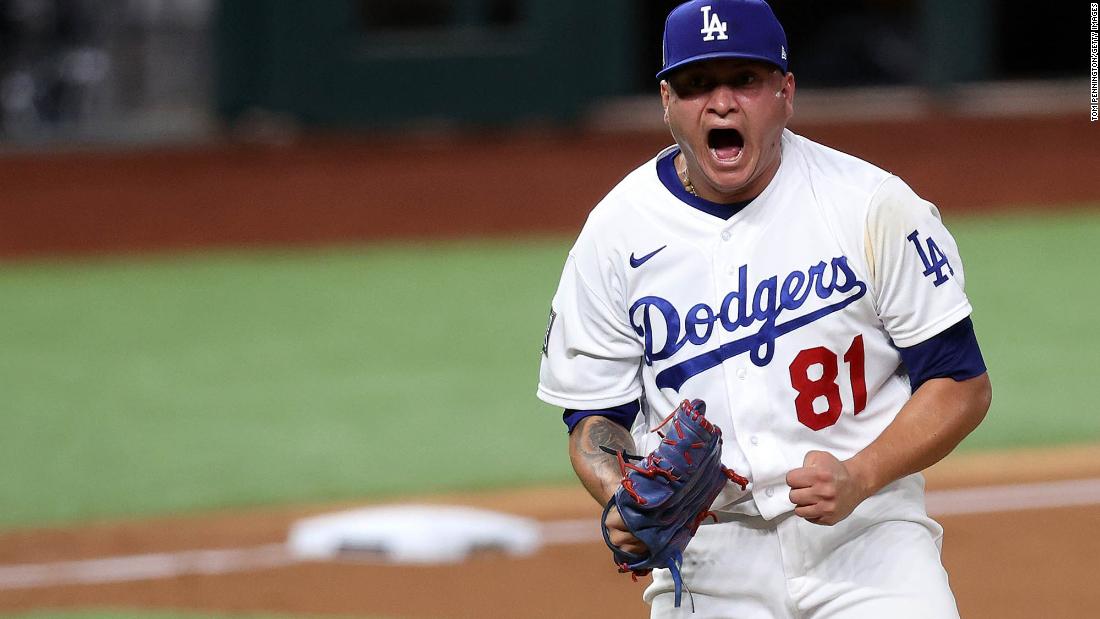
<point>811,299</point>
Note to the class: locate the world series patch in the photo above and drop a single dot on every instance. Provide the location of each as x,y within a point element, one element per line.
<point>549,327</point>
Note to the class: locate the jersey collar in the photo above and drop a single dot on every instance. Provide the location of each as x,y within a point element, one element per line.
<point>666,171</point>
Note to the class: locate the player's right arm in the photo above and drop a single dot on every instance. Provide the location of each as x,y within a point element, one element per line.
<point>590,362</point>
<point>599,470</point>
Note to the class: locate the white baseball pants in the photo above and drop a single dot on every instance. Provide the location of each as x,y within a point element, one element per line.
<point>882,561</point>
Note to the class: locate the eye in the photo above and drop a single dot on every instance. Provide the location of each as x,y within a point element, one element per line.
<point>746,79</point>
<point>694,83</point>
<point>697,83</point>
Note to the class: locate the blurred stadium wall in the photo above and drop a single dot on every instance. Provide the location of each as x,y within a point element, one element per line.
<point>87,71</point>
<point>92,71</point>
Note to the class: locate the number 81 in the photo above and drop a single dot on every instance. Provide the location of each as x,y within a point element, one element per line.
<point>810,389</point>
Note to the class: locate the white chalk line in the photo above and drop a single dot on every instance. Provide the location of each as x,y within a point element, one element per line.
<point>143,567</point>
<point>1018,497</point>
<point>980,500</point>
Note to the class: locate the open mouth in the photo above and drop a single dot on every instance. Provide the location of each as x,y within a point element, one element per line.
<point>725,144</point>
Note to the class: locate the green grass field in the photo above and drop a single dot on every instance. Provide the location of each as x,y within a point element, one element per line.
<point>187,383</point>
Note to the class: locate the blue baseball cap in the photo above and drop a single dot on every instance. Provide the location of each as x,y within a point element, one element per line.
<point>705,29</point>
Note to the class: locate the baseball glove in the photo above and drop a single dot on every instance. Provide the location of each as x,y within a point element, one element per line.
<point>666,496</point>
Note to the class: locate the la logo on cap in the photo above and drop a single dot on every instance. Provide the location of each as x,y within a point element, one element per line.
<point>713,27</point>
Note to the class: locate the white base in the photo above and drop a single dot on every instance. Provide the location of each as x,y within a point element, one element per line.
<point>421,534</point>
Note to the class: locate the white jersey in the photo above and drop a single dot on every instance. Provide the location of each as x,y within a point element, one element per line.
<point>784,318</point>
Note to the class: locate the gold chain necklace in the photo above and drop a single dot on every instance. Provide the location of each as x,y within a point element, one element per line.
<point>683,175</point>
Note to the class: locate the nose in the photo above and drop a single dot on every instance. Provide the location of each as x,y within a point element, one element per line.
<point>723,100</point>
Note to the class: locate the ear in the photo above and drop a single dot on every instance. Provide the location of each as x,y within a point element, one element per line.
<point>786,92</point>
<point>665,95</point>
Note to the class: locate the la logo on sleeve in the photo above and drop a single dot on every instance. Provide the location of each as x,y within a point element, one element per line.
<point>932,257</point>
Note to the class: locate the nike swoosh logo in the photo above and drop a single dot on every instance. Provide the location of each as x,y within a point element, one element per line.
<point>637,262</point>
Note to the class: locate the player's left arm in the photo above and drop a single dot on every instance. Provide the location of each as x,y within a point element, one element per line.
<point>917,277</point>
<point>941,413</point>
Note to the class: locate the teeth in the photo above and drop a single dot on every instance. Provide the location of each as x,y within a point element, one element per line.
<point>714,153</point>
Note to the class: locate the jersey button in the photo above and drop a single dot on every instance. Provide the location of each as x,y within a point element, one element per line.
<point>741,373</point>
<point>726,235</point>
<point>769,491</point>
<point>754,440</point>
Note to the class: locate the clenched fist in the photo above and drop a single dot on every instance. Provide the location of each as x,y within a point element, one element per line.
<point>823,490</point>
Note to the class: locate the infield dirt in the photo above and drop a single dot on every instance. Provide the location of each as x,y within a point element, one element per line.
<point>1014,564</point>
<point>349,191</point>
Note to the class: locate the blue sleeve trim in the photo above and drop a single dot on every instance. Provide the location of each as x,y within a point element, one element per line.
<point>954,354</point>
<point>623,415</point>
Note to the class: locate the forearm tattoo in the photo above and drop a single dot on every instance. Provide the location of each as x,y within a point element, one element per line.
<point>597,469</point>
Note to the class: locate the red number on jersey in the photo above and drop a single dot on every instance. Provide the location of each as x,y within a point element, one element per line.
<point>810,389</point>
<point>854,359</point>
